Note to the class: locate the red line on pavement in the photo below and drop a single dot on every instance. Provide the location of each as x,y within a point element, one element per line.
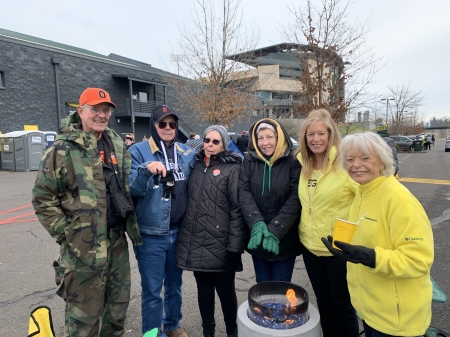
<point>3,222</point>
<point>15,217</point>
<point>15,209</point>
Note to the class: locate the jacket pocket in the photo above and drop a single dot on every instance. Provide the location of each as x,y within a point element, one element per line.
<point>64,279</point>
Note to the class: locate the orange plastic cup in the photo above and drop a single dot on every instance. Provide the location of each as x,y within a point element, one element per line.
<point>343,231</point>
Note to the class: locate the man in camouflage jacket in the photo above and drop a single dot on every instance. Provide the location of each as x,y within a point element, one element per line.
<point>79,176</point>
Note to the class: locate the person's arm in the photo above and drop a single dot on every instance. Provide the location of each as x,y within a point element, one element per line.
<point>410,233</point>
<point>290,211</point>
<point>139,176</point>
<point>238,232</point>
<point>47,191</point>
<point>247,202</point>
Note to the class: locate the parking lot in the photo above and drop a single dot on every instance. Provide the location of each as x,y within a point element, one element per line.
<point>27,252</point>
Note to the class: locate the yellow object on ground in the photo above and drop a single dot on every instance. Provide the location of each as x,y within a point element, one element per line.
<point>41,324</point>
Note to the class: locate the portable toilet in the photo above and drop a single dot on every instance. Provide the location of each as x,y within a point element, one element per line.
<point>50,137</point>
<point>22,150</point>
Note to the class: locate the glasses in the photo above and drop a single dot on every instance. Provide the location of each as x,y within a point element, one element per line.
<point>97,111</point>
<point>162,125</point>
<point>214,141</point>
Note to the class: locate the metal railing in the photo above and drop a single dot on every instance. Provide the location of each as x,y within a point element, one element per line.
<point>139,108</point>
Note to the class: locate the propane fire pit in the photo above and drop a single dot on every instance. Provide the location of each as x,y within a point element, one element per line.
<point>278,309</point>
<point>278,305</point>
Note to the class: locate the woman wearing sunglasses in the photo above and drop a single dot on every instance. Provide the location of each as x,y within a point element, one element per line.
<point>269,199</point>
<point>213,234</point>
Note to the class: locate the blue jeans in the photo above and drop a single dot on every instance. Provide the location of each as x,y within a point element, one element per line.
<point>157,265</point>
<point>278,270</point>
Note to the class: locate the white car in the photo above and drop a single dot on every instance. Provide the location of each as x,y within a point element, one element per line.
<point>447,145</point>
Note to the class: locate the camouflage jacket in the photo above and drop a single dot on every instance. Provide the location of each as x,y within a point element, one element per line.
<point>69,196</point>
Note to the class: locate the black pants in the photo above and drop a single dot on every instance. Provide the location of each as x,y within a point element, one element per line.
<point>328,276</point>
<point>224,285</point>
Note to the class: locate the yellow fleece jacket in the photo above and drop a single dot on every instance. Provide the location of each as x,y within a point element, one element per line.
<point>395,296</point>
<point>332,198</point>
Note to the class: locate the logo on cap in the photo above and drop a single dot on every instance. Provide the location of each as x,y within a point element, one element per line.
<point>164,109</point>
<point>102,94</point>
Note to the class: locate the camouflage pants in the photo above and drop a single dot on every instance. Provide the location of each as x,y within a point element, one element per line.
<point>95,297</point>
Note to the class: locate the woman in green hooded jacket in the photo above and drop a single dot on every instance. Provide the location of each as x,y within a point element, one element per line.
<point>269,201</point>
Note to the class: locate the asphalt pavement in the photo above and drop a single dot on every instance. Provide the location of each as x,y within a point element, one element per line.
<point>27,252</point>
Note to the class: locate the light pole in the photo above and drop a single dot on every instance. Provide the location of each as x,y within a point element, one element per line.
<point>387,105</point>
<point>177,58</point>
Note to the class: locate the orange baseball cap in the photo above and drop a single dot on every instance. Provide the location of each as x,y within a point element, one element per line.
<point>94,96</point>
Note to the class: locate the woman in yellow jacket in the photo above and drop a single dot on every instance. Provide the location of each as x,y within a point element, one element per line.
<point>392,250</point>
<point>326,192</point>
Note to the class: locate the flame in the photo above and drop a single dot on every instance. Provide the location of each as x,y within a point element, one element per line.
<point>290,295</point>
<point>289,321</point>
<point>257,310</point>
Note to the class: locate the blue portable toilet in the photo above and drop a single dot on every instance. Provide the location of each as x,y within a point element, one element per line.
<point>50,137</point>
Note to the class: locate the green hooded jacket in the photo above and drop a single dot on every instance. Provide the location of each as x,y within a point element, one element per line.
<point>69,196</point>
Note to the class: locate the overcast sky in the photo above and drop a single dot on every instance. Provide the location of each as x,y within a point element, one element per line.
<point>413,36</point>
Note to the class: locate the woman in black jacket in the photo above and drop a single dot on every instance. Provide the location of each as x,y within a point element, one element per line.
<point>268,195</point>
<point>213,234</point>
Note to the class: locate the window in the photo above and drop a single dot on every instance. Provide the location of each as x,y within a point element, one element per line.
<point>2,79</point>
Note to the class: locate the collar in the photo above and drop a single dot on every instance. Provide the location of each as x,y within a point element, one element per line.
<point>154,148</point>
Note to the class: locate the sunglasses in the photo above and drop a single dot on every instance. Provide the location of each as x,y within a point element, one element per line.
<point>214,141</point>
<point>162,125</point>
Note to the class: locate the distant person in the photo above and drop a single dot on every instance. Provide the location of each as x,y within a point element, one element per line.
<point>144,138</point>
<point>129,140</point>
<point>268,196</point>
<point>81,197</point>
<point>194,141</point>
<point>213,252</point>
<point>390,256</point>
<point>160,171</point>
<point>242,142</point>
<point>433,139</point>
<point>382,131</point>
<point>428,141</point>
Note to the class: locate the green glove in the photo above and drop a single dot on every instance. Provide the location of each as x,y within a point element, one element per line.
<point>257,234</point>
<point>271,242</point>
<point>151,333</point>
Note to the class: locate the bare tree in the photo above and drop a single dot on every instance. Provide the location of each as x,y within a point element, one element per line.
<point>339,65</point>
<point>214,90</point>
<point>406,100</point>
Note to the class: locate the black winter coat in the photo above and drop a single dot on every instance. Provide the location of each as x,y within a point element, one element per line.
<point>213,224</point>
<point>280,208</point>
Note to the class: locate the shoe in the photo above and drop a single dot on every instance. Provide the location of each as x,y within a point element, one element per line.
<point>178,332</point>
<point>208,336</point>
<point>234,335</point>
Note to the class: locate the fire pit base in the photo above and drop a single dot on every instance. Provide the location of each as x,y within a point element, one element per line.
<point>247,328</point>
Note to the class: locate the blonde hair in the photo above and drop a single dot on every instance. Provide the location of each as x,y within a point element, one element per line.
<point>334,139</point>
<point>368,143</point>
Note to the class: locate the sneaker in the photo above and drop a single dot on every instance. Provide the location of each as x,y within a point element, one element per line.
<point>178,332</point>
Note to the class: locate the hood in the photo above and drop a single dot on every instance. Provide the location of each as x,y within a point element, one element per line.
<point>71,130</point>
<point>284,143</point>
<point>224,157</point>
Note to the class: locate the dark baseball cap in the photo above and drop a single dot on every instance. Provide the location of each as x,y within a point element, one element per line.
<point>162,111</point>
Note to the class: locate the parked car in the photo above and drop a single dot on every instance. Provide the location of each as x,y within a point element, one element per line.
<point>447,145</point>
<point>404,143</point>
